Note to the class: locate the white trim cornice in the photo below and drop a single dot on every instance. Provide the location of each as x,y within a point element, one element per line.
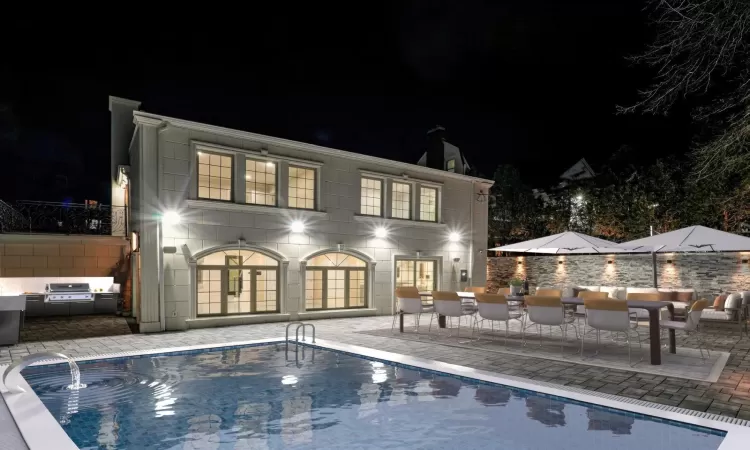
<point>258,209</point>
<point>269,140</point>
<point>123,101</point>
<point>146,120</point>
<point>397,223</point>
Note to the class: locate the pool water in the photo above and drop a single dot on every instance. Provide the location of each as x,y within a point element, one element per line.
<point>260,398</point>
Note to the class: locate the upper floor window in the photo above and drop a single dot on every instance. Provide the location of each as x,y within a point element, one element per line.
<point>450,166</point>
<point>401,205</point>
<point>371,195</point>
<point>428,204</point>
<point>301,188</point>
<point>214,176</point>
<point>260,182</point>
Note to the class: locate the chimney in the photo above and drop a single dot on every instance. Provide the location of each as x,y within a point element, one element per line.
<point>436,148</point>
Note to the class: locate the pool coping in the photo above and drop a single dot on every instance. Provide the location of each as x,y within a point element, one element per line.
<point>31,415</point>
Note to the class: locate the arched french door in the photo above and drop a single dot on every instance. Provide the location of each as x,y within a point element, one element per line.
<point>336,280</point>
<point>237,281</point>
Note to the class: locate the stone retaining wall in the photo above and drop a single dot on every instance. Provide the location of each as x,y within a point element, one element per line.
<point>708,273</point>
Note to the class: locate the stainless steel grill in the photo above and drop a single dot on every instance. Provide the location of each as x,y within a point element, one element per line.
<point>68,292</point>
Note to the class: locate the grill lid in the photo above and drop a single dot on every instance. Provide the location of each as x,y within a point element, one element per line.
<point>68,287</point>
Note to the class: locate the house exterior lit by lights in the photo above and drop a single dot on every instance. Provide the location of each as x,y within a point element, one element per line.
<point>230,227</point>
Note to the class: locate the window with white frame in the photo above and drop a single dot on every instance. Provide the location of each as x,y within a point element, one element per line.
<point>450,166</point>
<point>301,188</point>
<point>371,197</point>
<point>214,176</point>
<point>428,204</point>
<point>260,182</point>
<point>401,204</point>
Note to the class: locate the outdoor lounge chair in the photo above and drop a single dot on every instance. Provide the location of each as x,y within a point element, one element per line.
<point>734,311</point>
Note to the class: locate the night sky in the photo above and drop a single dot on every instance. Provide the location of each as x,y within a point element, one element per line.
<point>534,84</point>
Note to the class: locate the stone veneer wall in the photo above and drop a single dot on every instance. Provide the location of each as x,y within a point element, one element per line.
<point>60,256</point>
<point>708,273</point>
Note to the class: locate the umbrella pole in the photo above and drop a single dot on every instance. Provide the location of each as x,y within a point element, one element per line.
<point>653,265</point>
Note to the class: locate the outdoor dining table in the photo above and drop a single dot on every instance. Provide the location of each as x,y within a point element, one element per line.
<point>653,307</point>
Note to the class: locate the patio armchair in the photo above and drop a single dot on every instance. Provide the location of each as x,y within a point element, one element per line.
<point>493,307</point>
<point>642,314</point>
<point>733,311</point>
<point>448,304</point>
<point>504,291</point>
<point>410,302</point>
<point>609,315</point>
<point>691,324</point>
<point>548,311</point>
<point>580,311</point>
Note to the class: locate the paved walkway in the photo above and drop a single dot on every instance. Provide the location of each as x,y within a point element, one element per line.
<point>729,396</point>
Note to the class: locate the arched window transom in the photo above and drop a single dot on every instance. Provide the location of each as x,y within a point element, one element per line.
<point>335,281</point>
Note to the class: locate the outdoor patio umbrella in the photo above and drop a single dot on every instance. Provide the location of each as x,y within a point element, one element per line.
<point>691,239</point>
<point>568,242</point>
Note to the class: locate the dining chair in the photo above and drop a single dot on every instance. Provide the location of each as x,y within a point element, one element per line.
<point>504,291</point>
<point>410,302</point>
<point>545,310</point>
<point>476,289</point>
<point>543,292</point>
<point>609,315</point>
<point>580,311</point>
<point>448,304</point>
<point>493,307</point>
<point>691,325</point>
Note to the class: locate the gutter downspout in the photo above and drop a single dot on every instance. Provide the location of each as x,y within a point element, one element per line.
<point>471,237</point>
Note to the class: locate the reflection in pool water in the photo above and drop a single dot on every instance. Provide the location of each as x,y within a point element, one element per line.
<point>256,398</point>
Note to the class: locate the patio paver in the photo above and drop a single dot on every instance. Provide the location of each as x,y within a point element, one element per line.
<point>729,396</point>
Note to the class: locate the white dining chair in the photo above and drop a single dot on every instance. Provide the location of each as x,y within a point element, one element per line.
<point>549,311</point>
<point>691,325</point>
<point>609,315</point>
<point>449,304</point>
<point>410,302</point>
<point>493,307</point>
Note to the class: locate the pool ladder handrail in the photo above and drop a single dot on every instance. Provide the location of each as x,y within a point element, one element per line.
<point>304,327</point>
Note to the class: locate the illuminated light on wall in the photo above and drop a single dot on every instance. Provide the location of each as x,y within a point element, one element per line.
<point>454,237</point>
<point>171,218</point>
<point>381,232</point>
<point>297,227</point>
<point>610,262</point>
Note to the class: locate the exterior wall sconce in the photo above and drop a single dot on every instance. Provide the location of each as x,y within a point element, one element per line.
<point>669,261</point>
<point>744,261</point>
<point>560,262</point>
<point>520,263</point>
<point>610,261</point>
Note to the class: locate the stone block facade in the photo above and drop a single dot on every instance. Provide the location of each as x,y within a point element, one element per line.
<point>60,256</point>
<point>708,273</point>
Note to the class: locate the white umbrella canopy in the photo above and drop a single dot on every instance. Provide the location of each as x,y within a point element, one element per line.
<point>691,239</point>
<point>568,242</point>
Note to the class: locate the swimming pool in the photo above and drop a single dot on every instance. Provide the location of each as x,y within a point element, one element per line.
<point>264,397</point>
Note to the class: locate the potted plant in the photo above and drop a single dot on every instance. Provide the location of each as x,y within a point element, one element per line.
<point>516,285</point>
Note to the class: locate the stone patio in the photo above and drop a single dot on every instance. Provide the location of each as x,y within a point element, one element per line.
<point>729,396</point>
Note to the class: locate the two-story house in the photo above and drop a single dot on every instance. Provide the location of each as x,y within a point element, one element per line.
<point>231,227</point>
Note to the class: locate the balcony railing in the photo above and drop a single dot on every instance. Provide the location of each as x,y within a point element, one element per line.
<point>62,218</point>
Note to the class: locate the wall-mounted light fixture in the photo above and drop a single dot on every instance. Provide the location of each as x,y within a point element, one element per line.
<point>135,245</point>
<point>454,237</point>
<point>171,218</point>
<point>520,263</point>
<point>560,262</point>
<point>669,261</point>
<point>744,261</point>
<point>610,261</point>
<point>381,232</point>
<point>297,226</point>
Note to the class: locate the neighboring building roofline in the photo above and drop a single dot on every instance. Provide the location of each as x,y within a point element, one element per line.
<point>141,117</point>
<point>123,101</point>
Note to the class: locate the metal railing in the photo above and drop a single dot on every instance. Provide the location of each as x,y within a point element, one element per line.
<point>62,218</point>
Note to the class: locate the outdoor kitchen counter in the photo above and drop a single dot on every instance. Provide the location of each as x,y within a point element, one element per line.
<point>11,306</point>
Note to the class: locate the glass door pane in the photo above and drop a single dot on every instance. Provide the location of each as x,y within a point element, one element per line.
<point>314,289</point>
<point>404,273</point>
<point>209,291</point>
<point>357,288</point>
<point>265,290</point>
<point>425,276</point>
<point>336,292</point>
<point>239,299</point>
